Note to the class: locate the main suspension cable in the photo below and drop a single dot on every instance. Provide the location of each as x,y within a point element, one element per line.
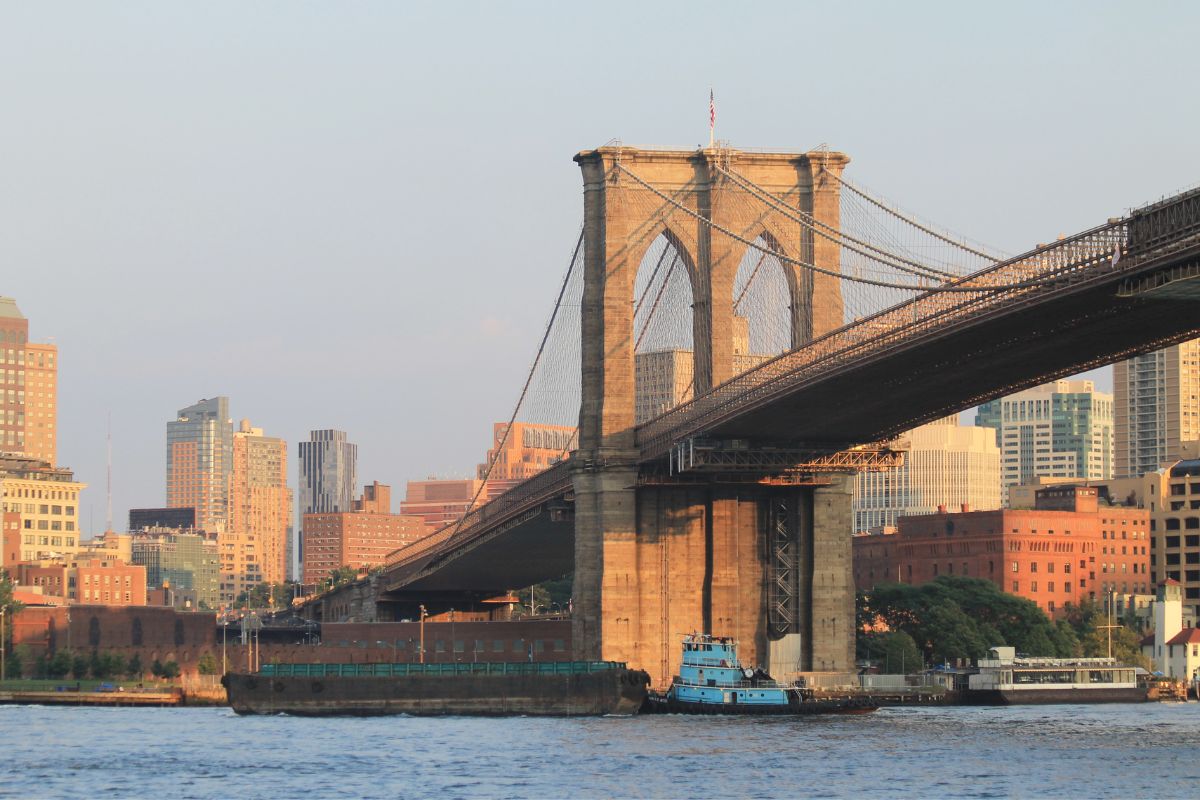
<point>943,288</point>
<point>899,215</point>
<point>837,237</point>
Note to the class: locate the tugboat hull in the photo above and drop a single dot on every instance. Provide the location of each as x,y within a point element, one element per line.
<point>663,704</point>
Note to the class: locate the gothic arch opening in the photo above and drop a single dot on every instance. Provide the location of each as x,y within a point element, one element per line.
<point>663,344</point>
<point>762,306</point>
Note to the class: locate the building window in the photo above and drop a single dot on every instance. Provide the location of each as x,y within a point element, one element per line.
<point>1015,568</point>
<point>1033,586</point>
<point>1016,587</point>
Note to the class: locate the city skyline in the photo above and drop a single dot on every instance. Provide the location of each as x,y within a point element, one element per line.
<point>290,176</point>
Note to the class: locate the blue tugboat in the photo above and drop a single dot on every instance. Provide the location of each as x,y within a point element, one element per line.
<point>711,680</point>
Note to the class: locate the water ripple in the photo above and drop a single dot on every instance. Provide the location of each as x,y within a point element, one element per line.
<point>1050,751</point>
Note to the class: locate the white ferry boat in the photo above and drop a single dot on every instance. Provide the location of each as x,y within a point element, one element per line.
<point>1006,679</point>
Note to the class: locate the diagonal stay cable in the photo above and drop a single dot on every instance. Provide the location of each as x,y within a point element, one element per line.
<point>524,389</point>
<point>654,305</point>
<point>749,281</point>
<point>650,283</point>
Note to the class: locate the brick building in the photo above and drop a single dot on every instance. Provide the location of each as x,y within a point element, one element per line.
<point>89,581</point>
<point>166,634</point>
<point>526,450</point>
<point>441,502</point>
<point>1066,550</point>
<point>361,538</point>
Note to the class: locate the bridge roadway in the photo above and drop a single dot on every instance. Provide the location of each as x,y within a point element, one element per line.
<point>1076,305</point>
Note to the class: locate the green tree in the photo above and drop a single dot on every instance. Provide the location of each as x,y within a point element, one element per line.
<point>10,606</point>
<point>156,669</point>
<point>342,575</point>
<point>113,664</point>
<point>15,660</point>
<point>135,669</point>
<point>41,666</point>
<point>96,666</point>
<point>956,617</point>
<point>273,595</point>
<point>953,634</point>
<point>170,670</point>
<point>207,664</point>
<point>23,655</point>
<point>282,594</point>
<point>59,664</point>
<point>1088,621</point>
<point>893,652</point>
<point>79,667</point>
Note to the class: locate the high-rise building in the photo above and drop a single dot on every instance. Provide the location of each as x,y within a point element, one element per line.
<point>41,401</point>
<point>945,465</point>
<point>14,335</point>
<point>1063,429</point>
<point>1171,493</point>
<point>186,561</point>
<point>28,389</point>
<point>143,518</point>
<point>663,379</point>
<point>527,450</point>
<point>200,461</point>
<point>1157,407</point>
<point>328,478</point>
<point>47,502</point>
<point>361,538</point>
<point>254,543</point>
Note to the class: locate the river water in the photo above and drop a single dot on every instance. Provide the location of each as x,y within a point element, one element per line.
<point>1126,751</point>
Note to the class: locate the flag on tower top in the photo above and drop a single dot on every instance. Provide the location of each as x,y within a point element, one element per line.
<point>712,117</point>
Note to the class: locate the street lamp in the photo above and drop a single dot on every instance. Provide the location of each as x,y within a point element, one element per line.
<point>422,645</point>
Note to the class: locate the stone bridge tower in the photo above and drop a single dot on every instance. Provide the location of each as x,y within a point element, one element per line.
<point>655,560</point>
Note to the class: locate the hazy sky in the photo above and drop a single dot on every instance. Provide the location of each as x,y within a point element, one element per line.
<point>355,214</point>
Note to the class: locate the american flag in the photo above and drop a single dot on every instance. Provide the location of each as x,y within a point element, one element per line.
<point>712,111</point>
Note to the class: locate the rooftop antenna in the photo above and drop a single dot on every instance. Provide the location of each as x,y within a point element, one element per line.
<point>109,521</point>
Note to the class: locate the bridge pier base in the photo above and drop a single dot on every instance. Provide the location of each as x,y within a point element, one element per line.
<point>655,562</point>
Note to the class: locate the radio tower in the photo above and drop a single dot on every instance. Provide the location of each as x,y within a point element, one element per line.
<point>108,522</point>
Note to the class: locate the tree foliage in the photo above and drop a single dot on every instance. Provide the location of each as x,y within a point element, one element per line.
<point>954,617</point>
<point>269,595</point>
<point>1088,621</point>
<point>894,652</point>
<point>10,606</point>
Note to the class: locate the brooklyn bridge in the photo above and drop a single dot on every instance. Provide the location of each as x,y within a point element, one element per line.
<point>813,323</point>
